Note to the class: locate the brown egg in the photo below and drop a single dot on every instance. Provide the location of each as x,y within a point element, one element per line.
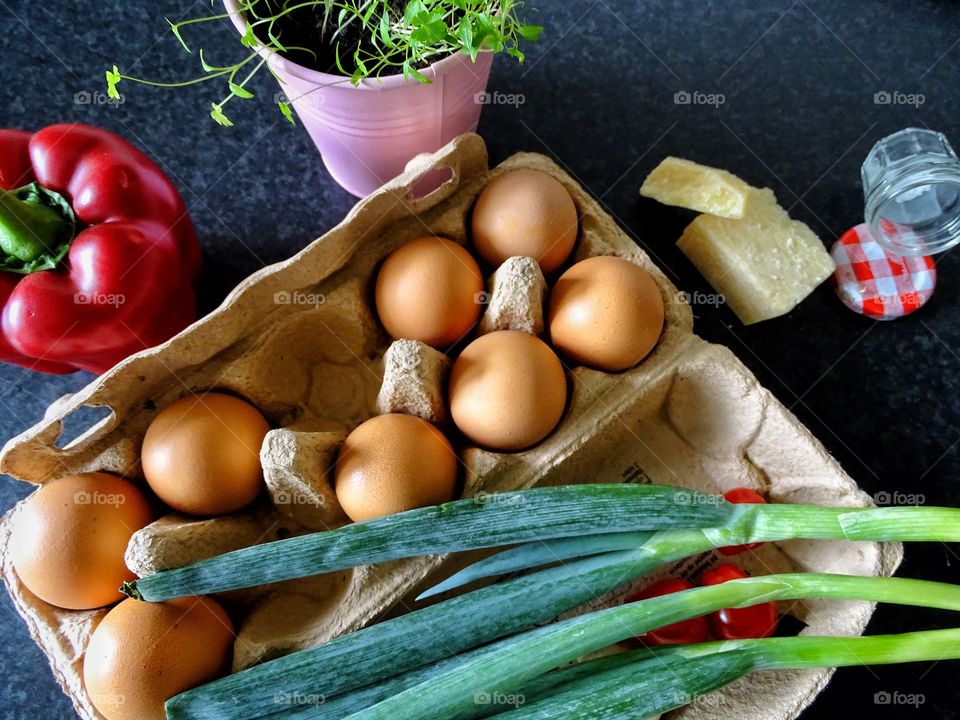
<point>528,213</point>
<point>429,290</point>
<point>201,454</point>
<point>606,313</point>
<point>142,654</point>
<point>393,463</point>
<point>69,538</point>
<point>507,390</point>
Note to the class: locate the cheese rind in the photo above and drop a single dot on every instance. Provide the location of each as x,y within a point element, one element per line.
<point>763,264</point>
<point>687,184</point>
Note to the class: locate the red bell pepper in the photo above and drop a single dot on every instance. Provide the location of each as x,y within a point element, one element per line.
<point>98,257</point>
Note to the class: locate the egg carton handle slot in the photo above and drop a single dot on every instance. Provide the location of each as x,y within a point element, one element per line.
<point>60,444</point>
<point>84,425</point>
<point>429,179</point>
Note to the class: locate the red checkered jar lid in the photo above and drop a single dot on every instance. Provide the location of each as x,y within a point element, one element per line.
<point>876,283</point>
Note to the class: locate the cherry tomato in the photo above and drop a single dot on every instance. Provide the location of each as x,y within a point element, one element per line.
<point>741,496</point>
<point>756,621</point>
<point>686,631</point>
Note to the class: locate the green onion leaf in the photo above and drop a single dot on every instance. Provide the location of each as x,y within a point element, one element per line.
<point>645,683</point>
<point>340,706</point>
<point>486,521</point>
<point>535,653</point>
<point>404,643</point>
<point>759,523</point>
<point>637,690</point>
<point>537,554</point>
<point>401,644</point>
<point>541,514</point>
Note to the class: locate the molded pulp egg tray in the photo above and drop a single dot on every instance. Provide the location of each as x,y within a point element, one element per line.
<point>300,341</point>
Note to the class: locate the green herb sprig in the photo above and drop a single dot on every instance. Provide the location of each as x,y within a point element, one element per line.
<point>394,41</point>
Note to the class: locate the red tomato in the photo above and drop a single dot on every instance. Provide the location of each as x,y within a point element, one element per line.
<point>686,631</point>
<point>741,496</point>
<point>756,621</point>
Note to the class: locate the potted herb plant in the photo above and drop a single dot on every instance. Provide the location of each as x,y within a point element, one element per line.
<point>375,82</point>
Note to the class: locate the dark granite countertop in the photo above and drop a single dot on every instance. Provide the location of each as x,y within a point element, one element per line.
<point>798,80</point>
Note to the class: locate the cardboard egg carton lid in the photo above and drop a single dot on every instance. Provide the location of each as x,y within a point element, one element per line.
<point>300,341</point>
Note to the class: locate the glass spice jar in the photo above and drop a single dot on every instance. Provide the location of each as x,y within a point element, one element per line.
<point>911,187</point>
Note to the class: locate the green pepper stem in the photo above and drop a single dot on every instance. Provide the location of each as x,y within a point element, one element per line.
<point>34,222</point>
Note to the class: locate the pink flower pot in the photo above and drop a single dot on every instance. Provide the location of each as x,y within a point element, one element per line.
<point>367,134</point>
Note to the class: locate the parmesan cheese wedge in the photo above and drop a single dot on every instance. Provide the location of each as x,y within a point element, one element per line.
<point>763,264</point>
<point>686,184</point>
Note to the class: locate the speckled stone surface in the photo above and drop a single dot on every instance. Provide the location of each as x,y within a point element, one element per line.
<point>797,82</point>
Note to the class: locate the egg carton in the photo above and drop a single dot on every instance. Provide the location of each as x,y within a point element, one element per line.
<point>299,340</point>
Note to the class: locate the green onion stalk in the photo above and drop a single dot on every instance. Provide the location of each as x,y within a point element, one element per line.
<point>482,522</point>
<point>645,683</point>
<point>415,640</point>
<point>509,666</point>
<point>340,706</point>
<point>540,514</point>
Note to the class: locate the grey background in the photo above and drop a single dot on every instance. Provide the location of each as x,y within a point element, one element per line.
<point>798,81</point>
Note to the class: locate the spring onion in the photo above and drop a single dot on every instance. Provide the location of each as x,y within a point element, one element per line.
<point>656,686</point>
<point>645,683</point>
<point>410,641</point>
<point>481,522</point>
<point>341,706</point>
<point>778,522</point>
<point>540,514</point>
<point>537,652</point>
<point>546,552</point>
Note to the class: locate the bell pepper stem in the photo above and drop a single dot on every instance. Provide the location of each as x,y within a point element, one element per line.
<point>34,222</point>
